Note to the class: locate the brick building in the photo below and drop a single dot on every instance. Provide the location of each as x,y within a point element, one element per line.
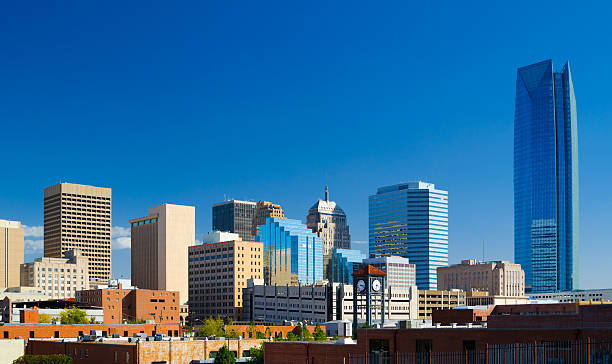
<point>29,331</point>
<point>143,352</point>
<point>129,305</point>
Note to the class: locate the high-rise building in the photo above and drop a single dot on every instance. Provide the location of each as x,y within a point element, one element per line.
<point>343,263</point>
<point>546,178</point>
<point>411,220</point>
<point>400,272</point>
<point>218,273</point>
<point>57,277</point>
<point>234,217</point>
<point>499,278</point>
<point>11,252</point>
<point>264,210</point>
<point>79,217</point>
<point>328,221</point>
<point>292,253</point>
<point>160,243</point>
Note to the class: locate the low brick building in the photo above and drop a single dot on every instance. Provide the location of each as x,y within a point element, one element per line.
<point>125,305</point>
<point>250,332</point>
<point>29,331</point>
<point>143,352</point>
<point>461,315</point>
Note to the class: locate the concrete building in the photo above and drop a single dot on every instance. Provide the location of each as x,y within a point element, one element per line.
<point>411,220</point>
<point>159,248</point>
<point>430,300</point>
<point>219,236</point>
<point>264,210</point>
<point>604,295</point>
<point>499,278</point>
<point>292,253</point>
<point>29,312</point>
<point>57,277</point>
<point>234,217</point>
<point>132,305</point>
<point>327,220</point>
<point>400,272</point>
<point>11,252</point>
<point>343,263</point>
<point>11,350</point>
<point>218,272</point>
<point>320,303</point>
<point>79,217</point>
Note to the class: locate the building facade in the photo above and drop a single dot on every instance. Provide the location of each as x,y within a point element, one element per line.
<point>400,272</point>
<point>343,263</point>
<point>411,220</point>
<point>264,210</point>
<point>218,273</point>
<point>11,249</point>
<point>604,295</point>
<point>133,305</point>
<point>57,277</point>
<point>79,217</point>
<point>318,303</point>
<point>159,248</point>
<point>292,253</point>
<point>546,178</point>
<point>499,278</point>
<point>430,300</point>
<point>234,217</point>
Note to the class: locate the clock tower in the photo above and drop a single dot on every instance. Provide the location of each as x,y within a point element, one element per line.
<point>368,294</point>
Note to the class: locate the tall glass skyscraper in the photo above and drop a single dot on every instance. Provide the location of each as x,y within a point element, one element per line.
<point>292,253</point>
<point>546,178</point>
<point>411,220</point>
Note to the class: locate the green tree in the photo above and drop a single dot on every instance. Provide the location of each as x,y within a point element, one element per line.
<point>291,337</point>
<point>257,355</point>
<point>211,327</point>
<point>44,318</point>
<point>319,334</point>
<point>43,359</point>
<point>268,332</point>
<point>260,335</point>
<point>335,337</point>
<point>307,336</point>
<point>73,316</point>
<point>225,356</point>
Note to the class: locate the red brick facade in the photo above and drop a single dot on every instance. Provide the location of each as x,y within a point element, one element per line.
<point>60,331</point>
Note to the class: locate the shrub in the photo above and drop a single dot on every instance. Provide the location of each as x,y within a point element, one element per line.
<point>43,359</point>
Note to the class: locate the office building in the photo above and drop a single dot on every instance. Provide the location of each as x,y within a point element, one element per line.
<point>411,220</point>
<point>400,272</point>
<point>343,263</point>
<point>79,217</point>
<point>604,295</point>
<point>499,278</point>
<point>292,253</point>
<point>219,236</point>
<point>328,221</point>
<point>546,178</point>
<point>11,251</point>
<point>264,210</point>
<point>159,248</point>
<point>133,305</point>
<point>57,277</point>
<point>218,273</point>
<point>321,303</point>
<point>234,217</point>
<point>430,300</point>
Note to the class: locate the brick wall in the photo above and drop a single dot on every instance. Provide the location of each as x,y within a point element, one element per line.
<point>48,331</point>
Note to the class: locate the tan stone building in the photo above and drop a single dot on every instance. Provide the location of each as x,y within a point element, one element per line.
<point>430,300</point>
<point>499,278</point>
<point>264,210</point>
<point>79,217</point>
<point>160,243</point>
<point>218,272</point>
<point>57,277</point>
<point>11,252</point>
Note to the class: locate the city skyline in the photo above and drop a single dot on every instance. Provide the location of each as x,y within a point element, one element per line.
<point>388,101</point>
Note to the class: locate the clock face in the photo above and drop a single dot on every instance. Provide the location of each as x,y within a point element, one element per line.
<point>376,285</point>
<point>360,285</point>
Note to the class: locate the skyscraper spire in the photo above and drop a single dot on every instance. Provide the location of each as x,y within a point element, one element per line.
<point>326,193</point>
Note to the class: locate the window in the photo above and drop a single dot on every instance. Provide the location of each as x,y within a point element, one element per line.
<point>127,357</point>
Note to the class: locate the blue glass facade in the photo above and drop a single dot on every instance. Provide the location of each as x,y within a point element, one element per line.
<point>546,178</point>
<point>343,263</point>
<point>411,220</point>
<point>289,243</point>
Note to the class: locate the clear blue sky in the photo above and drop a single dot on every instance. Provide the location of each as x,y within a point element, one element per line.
<point>260,100</point>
